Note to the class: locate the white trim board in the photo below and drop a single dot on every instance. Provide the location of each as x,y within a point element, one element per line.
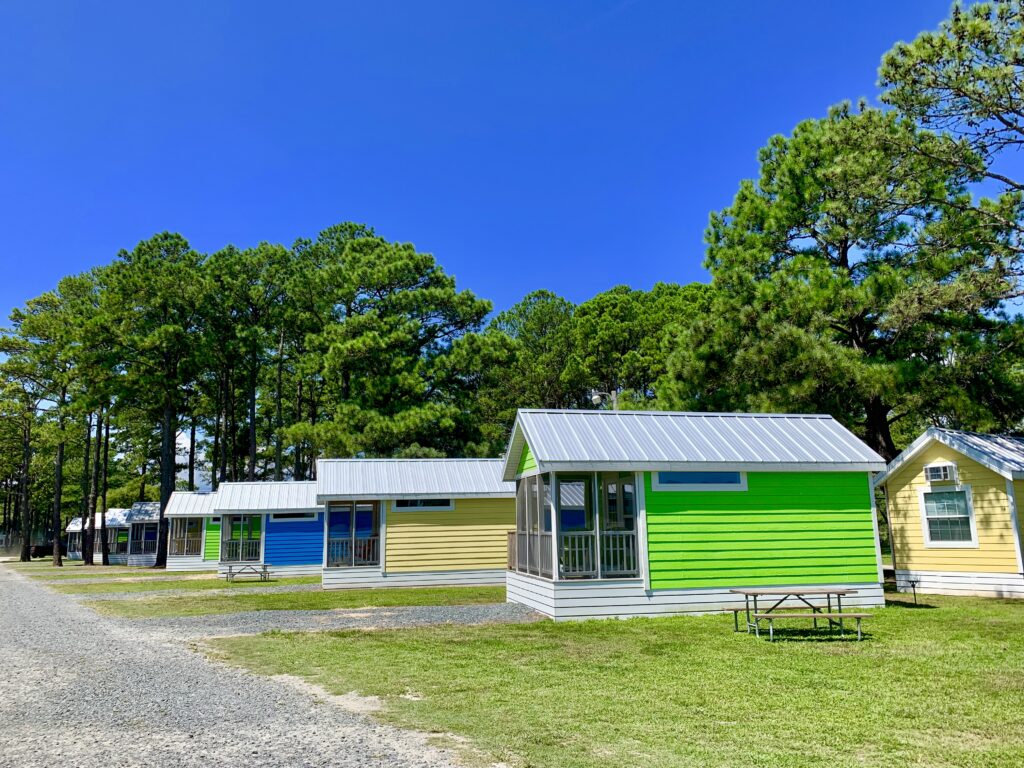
<point>629,598</point>
<point>1009,585</point>
<point>373,578</point>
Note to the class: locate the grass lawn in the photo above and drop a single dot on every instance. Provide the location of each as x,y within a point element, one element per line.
<point>202,605</point>
<point>110,572</point>
<point>190,584</point>
<point>941,685</point>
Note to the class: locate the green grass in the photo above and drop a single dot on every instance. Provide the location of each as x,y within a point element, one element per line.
<point>938,686</point>
<point>203,605</point>
<point>111,572</point>
<point>198,585</point>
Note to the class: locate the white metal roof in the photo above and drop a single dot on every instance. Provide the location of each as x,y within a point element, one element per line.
<point>267,496</point>
<point>669,440</point>
<point>115,519</point>
<point>191,504</point>
<point>143,512</point>
<point>341,479</point>
<point>1000,453</point>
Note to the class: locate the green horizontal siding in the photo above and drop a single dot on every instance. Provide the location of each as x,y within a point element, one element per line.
<point>211,545</point>
<point>786,528</point>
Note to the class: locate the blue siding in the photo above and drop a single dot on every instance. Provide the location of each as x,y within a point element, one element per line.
<point>294,542</point>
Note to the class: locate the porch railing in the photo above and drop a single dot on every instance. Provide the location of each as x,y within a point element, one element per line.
<point>618,554</point>
<point>144,547</point>
<point>185,547</point>
<point>576,556</point>
<point>240,550</point>
<point>346,553</point>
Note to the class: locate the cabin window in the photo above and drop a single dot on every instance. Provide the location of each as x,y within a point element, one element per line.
<point>294,516</point>
<point>940,473</point>
<point>422,505</point>
<point>948,518</point>
<point>700,481</point>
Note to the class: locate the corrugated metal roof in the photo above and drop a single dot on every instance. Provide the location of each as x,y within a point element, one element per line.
<point>411,478</point>
<point>143,512</point>
<point>666,440</point>
<point>115,519</point>
<point>1000,453</point>
<point>191,504</point>
<point>266,496</point>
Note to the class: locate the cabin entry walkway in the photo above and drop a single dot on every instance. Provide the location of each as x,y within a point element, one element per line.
<point>81,689</point>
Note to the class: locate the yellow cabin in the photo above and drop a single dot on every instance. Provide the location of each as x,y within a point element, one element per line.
<point>414,522</point>
<point>951,501</point>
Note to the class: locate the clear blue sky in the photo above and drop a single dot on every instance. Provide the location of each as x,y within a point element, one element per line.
<point>565,145</point>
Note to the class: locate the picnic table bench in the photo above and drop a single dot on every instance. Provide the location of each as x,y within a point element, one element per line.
<point>781,595</point>
<point>256,570</point>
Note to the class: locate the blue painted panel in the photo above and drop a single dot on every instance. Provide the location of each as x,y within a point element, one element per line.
<point>294,542</point>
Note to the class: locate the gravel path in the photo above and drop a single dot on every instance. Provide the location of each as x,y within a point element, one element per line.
<point>79,689</point>
<point>254,622</point>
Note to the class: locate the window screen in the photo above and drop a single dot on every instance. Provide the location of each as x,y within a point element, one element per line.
<point>948,516</point>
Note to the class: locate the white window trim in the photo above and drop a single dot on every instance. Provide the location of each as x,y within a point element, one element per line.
<point>954,478</point>
<point>926,535</point>
<point>449,507</point>
<point>656,485</point>
<point>294,516</point>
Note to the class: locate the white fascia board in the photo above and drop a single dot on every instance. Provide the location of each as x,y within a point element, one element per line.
<point>325,498</point>
<point>678,466</point>
<point>933,434</point>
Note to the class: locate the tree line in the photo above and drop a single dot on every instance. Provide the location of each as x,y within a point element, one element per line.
<point>870,271</point>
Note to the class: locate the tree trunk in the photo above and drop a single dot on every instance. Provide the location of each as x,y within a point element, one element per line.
<point>94,484</point>
<point>279,414</point>
<point>142,482</point>
<point>86,456</point>
<point>297,472</point>
<point>24,495</point>
<point>168,433</point>
<point>58,482</point>
<point>104,483</point>
<point>878,434</point>
<point>251,473</point>
<point>192,454</point>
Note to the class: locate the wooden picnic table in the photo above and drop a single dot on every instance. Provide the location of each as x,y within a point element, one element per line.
<point>782,594</point>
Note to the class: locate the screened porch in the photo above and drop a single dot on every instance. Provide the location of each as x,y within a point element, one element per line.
<point>186,538</point>
<point>353,534</point>
<point>576,526</point>
<point>241,539</point>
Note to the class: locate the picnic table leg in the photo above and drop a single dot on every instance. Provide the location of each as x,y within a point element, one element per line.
<point>839,610</point>
<point>736,621</point>
<point>771,631</point>
<point>859,637</point>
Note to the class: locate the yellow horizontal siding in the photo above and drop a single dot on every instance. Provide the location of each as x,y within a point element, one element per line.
<point>996,551</point>
<point>472,537</point>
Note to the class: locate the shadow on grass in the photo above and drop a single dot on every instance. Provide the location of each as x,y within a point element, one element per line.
<point>907,604</point>
<point>811,635</point>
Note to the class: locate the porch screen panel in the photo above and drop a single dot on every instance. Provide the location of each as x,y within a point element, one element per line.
<point>522,543</point>
<point>577,555</point>
<point>533,526</point>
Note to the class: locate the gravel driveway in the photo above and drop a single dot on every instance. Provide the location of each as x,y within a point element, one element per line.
<point>78,689</point>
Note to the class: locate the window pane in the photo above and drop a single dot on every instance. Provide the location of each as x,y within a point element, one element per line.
<point>948,516</point>
<point>699,478</point>
<point>340,523</point>
<point>572,505</point>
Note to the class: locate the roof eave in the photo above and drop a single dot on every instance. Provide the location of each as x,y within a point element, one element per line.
<point>735,466</point>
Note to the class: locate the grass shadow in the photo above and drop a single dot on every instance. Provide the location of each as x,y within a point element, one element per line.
<point>908,604</point>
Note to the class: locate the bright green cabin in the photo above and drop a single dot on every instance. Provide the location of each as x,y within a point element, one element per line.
<point>785,528</point>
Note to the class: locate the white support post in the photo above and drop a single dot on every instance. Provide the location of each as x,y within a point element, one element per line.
<point>641,530</point>
<point>553,485</point>
<point>1011,496</point>
<point>382,532</point>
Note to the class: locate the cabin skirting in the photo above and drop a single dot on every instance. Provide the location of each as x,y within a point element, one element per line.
<point>629,598</point>
<point>373,578</point>
<point>275,570</point>
<point>191,563</point>
<point>135,560</point>
<point>962,583</point>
